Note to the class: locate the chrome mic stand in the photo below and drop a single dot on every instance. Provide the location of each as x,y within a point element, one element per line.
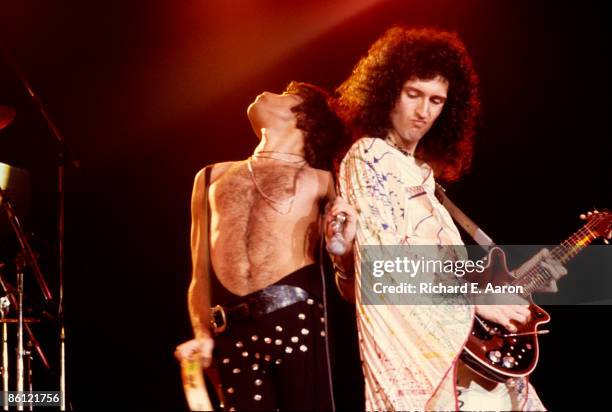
<point>25,258</point>
<point>19,365</point>
<point>28,359</point>
<point>4,308</point>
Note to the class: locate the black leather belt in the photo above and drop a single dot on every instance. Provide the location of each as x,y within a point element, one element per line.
<point>255,304</point>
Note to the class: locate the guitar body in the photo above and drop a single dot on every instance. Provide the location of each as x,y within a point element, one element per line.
<point>491,350</point>
<point>494,352</point>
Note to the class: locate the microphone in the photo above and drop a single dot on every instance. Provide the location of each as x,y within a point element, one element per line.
<point>337,245</point>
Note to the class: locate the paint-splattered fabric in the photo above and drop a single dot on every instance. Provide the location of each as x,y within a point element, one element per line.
<point>410,352</point>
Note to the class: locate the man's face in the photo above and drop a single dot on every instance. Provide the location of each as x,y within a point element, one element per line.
<point>418,106</point>
<point>273,111</point>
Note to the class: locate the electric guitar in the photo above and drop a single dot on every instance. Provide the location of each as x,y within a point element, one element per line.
<point>498,354</point>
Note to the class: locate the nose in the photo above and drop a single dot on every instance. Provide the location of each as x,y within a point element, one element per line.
<point>422,108</point>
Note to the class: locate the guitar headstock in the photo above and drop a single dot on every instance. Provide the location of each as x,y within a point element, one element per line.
<point>600,223</point>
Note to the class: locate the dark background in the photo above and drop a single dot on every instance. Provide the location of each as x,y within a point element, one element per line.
<point>148,92</point>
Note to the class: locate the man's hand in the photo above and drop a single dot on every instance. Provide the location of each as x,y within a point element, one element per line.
<point>350,225</point>
<point>505,315</point>
<point>551,265</point>
<point>196,348</point>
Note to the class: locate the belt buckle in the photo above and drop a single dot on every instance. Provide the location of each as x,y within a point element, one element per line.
<point>218,320</point>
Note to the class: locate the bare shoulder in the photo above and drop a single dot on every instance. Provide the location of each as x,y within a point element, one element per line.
<point>217,171</point>
<point>323,180</point>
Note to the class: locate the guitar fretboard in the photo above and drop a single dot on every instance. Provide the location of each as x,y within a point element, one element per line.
<point>535,277</point>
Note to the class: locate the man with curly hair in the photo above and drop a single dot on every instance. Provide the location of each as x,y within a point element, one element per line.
<point>256,292</point>
<point>413,104</point>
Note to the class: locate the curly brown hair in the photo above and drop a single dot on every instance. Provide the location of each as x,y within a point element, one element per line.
<point>325,135</point>
<point>367,97</point>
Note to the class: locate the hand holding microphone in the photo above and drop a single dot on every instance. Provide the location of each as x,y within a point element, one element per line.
<point>337,244</point>
<point>340,227</point>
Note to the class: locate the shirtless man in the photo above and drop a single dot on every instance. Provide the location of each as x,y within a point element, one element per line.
<point>269,326</point>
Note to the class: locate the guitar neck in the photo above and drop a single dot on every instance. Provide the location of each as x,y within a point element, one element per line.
<point>535,278</point>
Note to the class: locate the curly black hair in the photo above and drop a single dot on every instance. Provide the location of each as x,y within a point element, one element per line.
<point>325,135</point>
<point>368,96</point>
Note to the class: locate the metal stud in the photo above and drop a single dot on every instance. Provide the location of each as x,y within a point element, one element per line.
<point>303,348</point>
<point>322,319</point>
<point>236,370</point>
<point>302,316</point>
<point>226,361</point>
<point>230,390</point>
<point>254,338</point>
<point>309,301</point>
<point>278,328</point>
<point>239,344</point>
<point>278,361</point>
<point>305,331</point>
<point>267,358</point>
<point>257,355</point>
<point>294,339</point>
<point>278,342</point>
<point>245,354</point>
<point>255,366</point>
<point>323,333</point>
<point>267,340</point>
<point>288,349</point>
<point>258,382</point>
<point>320,305</point>
<point>257,397</point>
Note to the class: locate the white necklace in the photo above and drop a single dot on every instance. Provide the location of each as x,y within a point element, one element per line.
<point>274,155</point>
<point>273,203</point>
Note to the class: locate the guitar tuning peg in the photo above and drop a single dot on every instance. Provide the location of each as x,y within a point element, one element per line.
<point>582,216</point>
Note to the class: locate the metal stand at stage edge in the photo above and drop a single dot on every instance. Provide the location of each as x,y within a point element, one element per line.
<point>65,159</point>
<point>14,297</point>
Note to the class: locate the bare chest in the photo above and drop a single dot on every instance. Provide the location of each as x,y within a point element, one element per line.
<point>261,225</point>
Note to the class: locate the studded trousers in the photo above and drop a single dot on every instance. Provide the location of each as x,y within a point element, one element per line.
<point>276,361</point>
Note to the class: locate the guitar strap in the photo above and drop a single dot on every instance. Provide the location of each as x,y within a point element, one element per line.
<point>464,221</point>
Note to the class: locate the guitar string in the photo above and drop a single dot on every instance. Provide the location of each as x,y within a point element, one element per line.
<point>533,277</point>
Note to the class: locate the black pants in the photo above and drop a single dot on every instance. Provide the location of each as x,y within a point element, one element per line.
<point>277,361</point>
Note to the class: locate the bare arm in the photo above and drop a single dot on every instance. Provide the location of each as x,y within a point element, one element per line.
<point>198,296</point>
<point>199,290</point>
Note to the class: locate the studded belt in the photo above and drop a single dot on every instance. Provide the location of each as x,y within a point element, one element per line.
<point>255,304</point>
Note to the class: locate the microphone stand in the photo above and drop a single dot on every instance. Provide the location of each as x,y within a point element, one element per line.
<point>20,265</point>
<point>28,254</point>
<point>4,308</point>
<point>10,295</point>
<point>64,153</point>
